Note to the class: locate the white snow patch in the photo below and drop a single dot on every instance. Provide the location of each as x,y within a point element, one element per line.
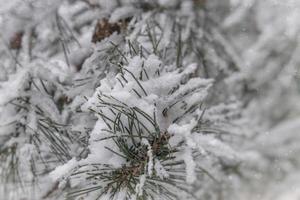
<point>122,13</point>
<point>140,185</point>
<point>62,170</point>
<point>190,166</point>
<point>150,156</point>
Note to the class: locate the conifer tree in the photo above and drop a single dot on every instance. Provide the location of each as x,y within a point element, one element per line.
<point>138,99</point>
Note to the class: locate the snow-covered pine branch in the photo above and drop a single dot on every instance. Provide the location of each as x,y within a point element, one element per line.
<point>162,99</point>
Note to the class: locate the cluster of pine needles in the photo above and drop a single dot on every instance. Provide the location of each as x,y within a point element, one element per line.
<point>130,140</point>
